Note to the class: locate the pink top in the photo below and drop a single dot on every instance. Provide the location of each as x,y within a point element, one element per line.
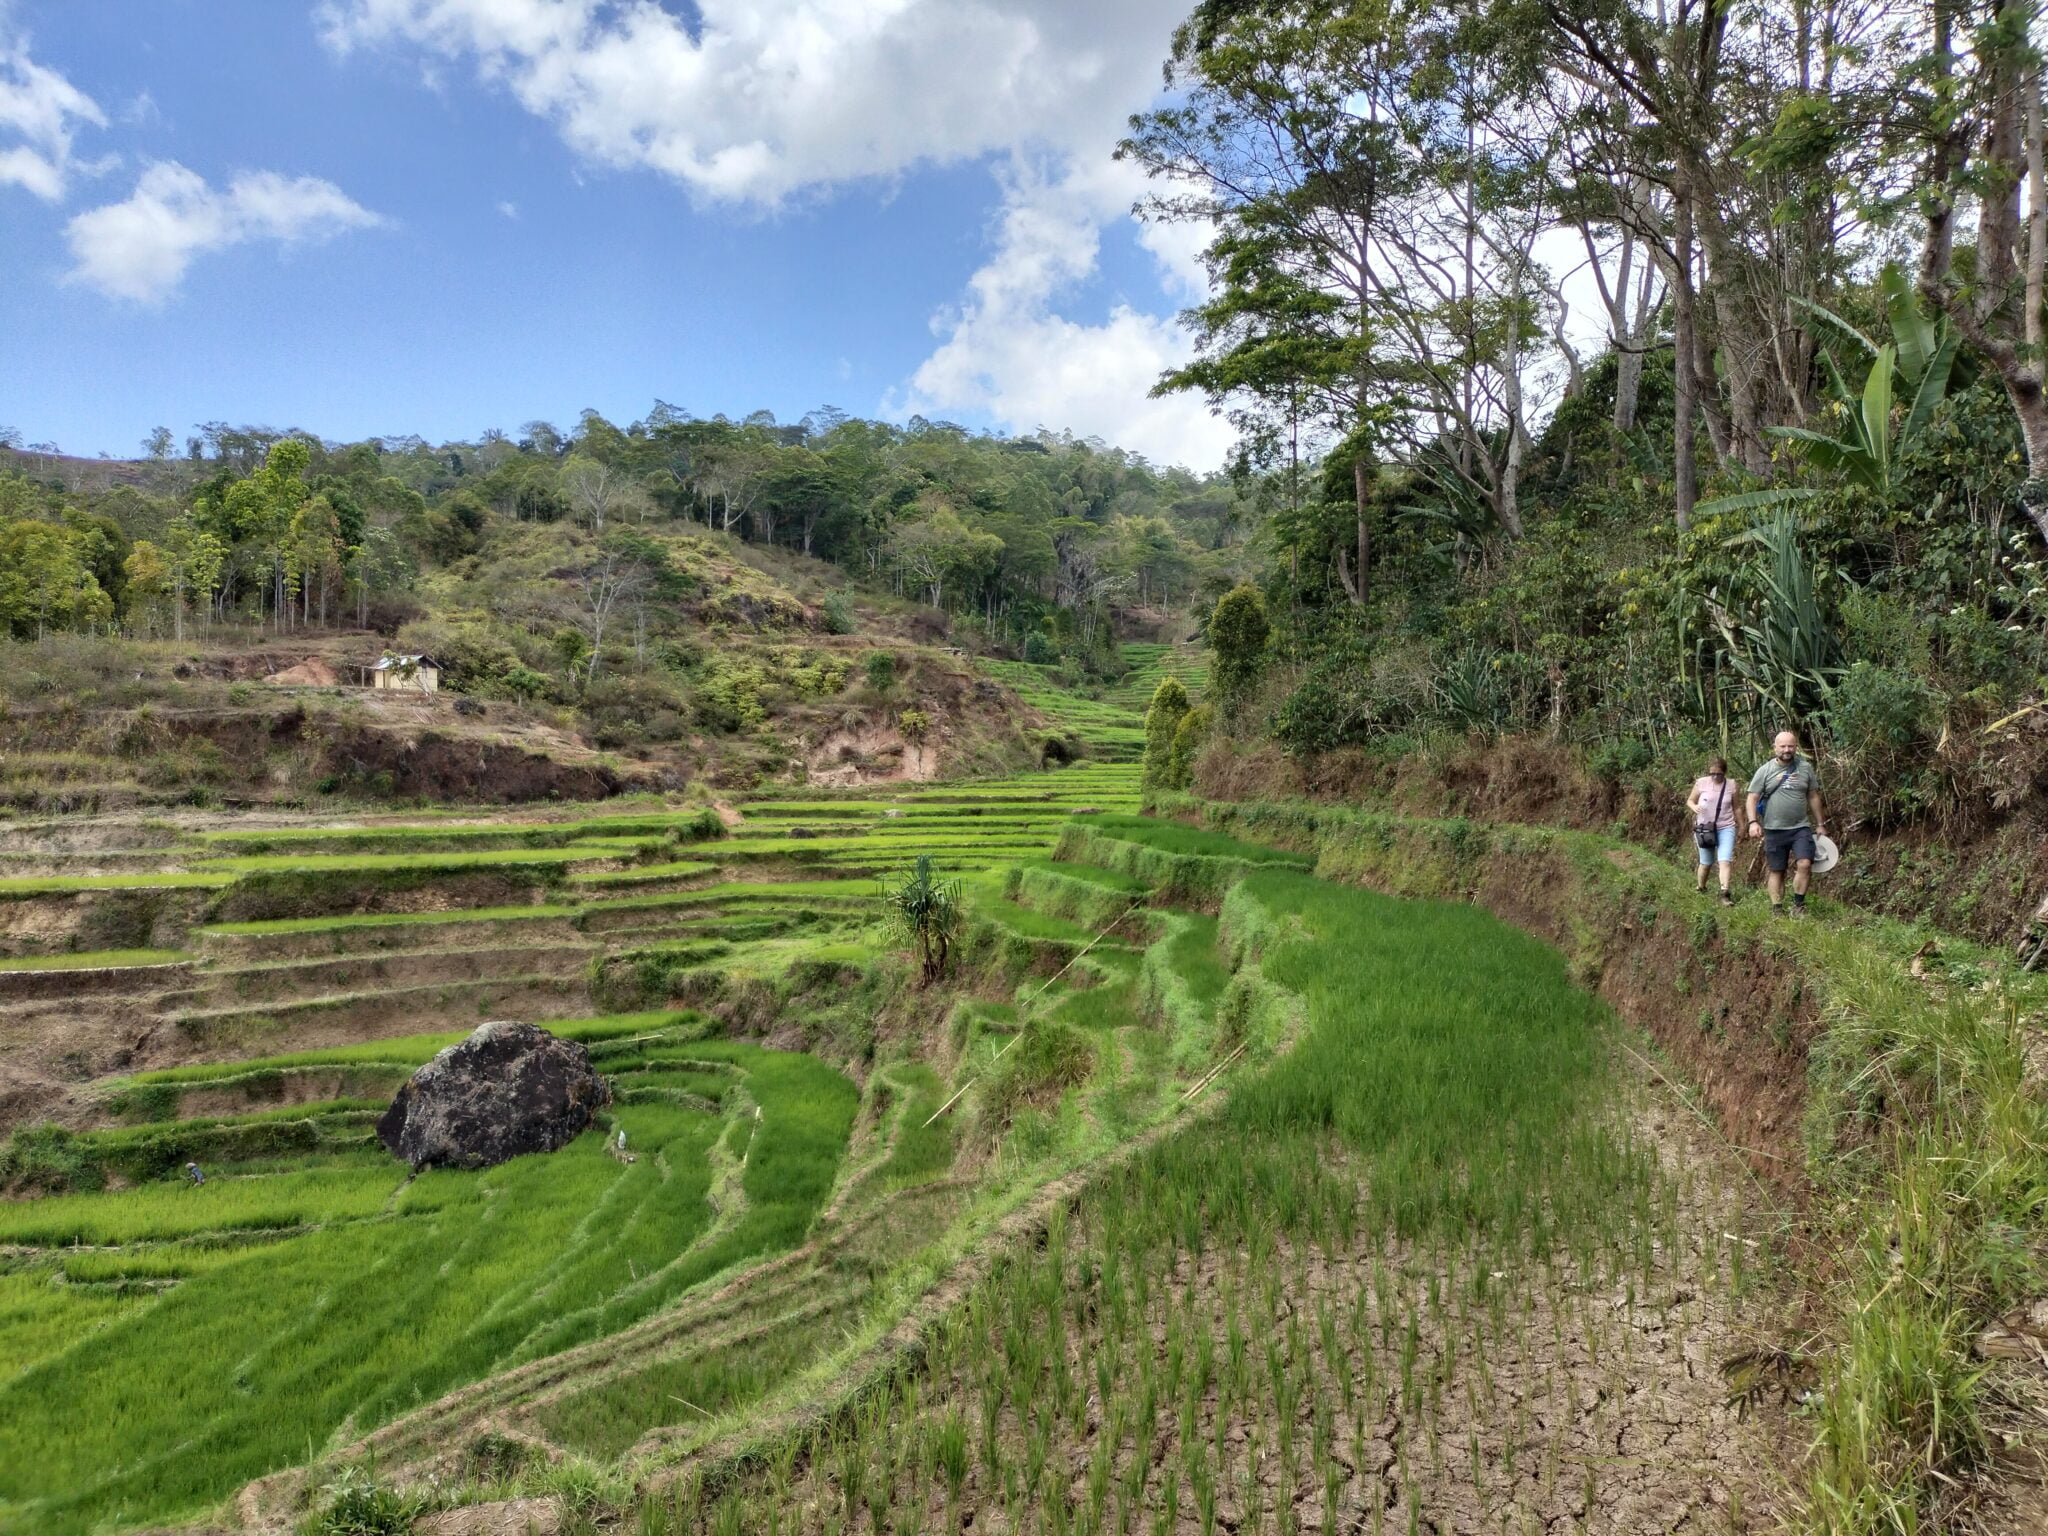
<point>1706,792</point>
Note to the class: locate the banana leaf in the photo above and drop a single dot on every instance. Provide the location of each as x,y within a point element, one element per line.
<point>1743,501</point>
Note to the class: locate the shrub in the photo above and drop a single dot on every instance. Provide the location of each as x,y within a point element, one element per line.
<point>625,709</point>
<point>1884,722</point>
<point>880,669</point>
<point>1051,1056</point>
<point>1169,707</point>
<point>47,1159</point>
<point>1331,707</point>
<point>522,682</point>
<point>1469,693</point>
<point>1040,649</point>
<point>358,1505</point>
<point>1188,737</point>
<point>1238,632</point>
<point>838,615</point>
<point>1618,759</point>
<point>729,693</point>
<point>1060,750</point>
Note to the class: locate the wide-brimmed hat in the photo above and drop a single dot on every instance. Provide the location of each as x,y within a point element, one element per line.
<point>1825,854</point>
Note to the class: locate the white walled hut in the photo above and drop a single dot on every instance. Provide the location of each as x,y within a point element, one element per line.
<point>408,674</point>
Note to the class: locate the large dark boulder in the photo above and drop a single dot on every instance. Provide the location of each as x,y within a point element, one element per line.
<point>506,1090</point>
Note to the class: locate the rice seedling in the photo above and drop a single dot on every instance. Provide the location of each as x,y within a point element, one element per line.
<point>94,960</point>
<point>374,1294</point>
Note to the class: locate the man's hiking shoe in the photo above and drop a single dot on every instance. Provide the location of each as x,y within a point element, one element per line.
<point>1777,909</point>
<point>1727,900</point>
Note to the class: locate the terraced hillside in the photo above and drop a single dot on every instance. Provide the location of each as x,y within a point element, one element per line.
<point>1150,664</point>
<point>1112,726</point>
<point>829,1170</point>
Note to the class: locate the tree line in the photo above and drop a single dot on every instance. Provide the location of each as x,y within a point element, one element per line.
<point>1032,536</point>
<point>1645,375</point>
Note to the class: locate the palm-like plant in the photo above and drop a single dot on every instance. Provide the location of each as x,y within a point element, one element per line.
<point>1781,644</point>
<point>1918,365</point>
<point>927,909</point>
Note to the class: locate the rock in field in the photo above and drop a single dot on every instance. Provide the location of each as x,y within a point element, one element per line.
<point>506,1090</point>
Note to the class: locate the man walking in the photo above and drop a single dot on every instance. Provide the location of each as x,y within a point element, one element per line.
<point>1785,811</point>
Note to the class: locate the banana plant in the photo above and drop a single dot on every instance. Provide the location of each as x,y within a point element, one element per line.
<point>1919,365</point>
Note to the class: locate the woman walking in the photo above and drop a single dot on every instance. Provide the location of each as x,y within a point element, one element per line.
<point>1712,803</point>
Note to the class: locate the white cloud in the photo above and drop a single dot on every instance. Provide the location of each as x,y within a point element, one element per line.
<point>761,100</point>
<point>40,115</point>
<point>1007,352</point>
<point>509,209</point>
<point>140,248</point>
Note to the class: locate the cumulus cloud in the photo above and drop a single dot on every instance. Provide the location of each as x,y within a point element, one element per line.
<point>140,248</point>
<point>762,98</point>
<point>754,101</point>
<point>40,115</point>
<point>1006,351</point>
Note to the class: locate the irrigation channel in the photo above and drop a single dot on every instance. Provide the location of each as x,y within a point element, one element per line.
<point>1207,1195</point>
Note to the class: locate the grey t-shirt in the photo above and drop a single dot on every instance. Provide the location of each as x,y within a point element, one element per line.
<point>1786,809</point>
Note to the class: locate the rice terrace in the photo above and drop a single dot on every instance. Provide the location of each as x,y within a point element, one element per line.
<point>1208,1189</point>
<point>1361,850</point>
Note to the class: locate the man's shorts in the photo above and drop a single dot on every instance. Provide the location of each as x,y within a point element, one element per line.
<point>1787,845</point>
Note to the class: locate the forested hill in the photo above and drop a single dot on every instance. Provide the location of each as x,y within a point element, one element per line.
<point>284,529</point>
<point>694,594</point>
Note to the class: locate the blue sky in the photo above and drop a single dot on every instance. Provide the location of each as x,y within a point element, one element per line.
<point>383,216</point>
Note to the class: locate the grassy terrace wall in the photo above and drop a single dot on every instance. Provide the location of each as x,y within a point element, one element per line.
<point>1184,866</point>
<point>50,922</point>
<point>1874,1075</point>
<point>430,884</point>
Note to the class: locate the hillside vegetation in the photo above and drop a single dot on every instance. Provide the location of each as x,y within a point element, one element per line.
<point>646,606</point>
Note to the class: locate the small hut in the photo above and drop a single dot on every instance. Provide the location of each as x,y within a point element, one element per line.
<point>410,674</point>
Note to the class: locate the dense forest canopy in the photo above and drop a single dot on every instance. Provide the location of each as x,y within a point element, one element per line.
<point>552,533</point>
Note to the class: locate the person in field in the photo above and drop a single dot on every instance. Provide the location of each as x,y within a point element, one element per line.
<point>1712,803</point>
<point>1785,811</point>
<point>192,1172</point>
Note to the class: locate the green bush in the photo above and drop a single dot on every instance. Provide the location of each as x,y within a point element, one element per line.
<point>625,709</point>
<point>1238,631</point>
<point>47,1159</point>
<point>729,693</point>
<point>838,615</point>
<point>1331,707</point>
<point>880,670</point>
<point>358,1505</point>
<point>1188,737</point>
<point>1040,649</point>
<point>1884,722</point>
<point>1050,1057</point>
<point>1168,708</point>
<point>1619,758</point>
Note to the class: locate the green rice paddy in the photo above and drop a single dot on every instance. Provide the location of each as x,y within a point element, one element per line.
<point>99,959</point>
<point>1359,1064</point>
<point>377,1293</point>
